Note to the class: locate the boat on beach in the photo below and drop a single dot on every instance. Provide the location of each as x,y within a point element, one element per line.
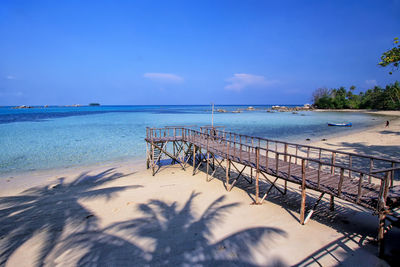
<point>344,124</point>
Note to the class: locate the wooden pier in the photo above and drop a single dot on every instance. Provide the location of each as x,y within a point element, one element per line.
<point>360,179</point>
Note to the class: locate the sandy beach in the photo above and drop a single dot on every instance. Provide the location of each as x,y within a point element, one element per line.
<point>120,215</point>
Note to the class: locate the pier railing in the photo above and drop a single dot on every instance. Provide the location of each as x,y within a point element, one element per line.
<point>241,146</point>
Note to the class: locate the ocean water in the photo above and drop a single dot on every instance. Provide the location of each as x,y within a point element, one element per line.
<point>60,137</point>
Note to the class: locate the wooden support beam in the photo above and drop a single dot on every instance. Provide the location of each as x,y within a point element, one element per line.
<point>269,189</point>
<point>310,213</point>
<point>237,178</point>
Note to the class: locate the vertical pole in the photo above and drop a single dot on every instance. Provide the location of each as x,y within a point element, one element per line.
<point>340,182</point>
<point>257,172</point>
<point>303,191</point>
<point>332,203</point>
<point>371,166</point>
<point>359,188</point>
<point>285,150</point>
<point>382,214</point>
<point>333,163</point>
<point>350,165</point>
<point>208,159</point>
<point>194,158</point>
<point>227,165</point>
<point>152,159</point>
<point>147,156</point>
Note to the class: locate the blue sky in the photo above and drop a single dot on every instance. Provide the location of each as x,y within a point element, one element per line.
<point>190,52</point>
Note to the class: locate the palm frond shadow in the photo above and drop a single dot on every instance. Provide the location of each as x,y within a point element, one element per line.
<point>178,237</point>
<point>49,209</point>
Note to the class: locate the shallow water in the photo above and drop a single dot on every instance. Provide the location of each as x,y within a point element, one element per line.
<point>55,137</point>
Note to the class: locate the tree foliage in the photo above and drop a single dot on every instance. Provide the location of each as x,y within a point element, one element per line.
<point>392,56</point>
<point>387,98</point>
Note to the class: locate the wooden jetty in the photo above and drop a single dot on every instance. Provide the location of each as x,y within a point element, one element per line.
<point>360,179</point>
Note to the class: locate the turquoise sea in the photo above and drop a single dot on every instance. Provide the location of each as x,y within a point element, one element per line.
<point>59,137</point>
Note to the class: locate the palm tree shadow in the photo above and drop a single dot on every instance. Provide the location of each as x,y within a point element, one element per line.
<point>49,209</point>
<point>178,237</point>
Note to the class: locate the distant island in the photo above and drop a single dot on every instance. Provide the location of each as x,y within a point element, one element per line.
<point>94,104</point>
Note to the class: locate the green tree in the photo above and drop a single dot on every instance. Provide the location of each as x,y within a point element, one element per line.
<point>392,56</point>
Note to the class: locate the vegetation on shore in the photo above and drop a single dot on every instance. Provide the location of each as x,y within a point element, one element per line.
<point>387,98</point>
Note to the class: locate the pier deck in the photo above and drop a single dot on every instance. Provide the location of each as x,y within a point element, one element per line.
<point>360,179</point>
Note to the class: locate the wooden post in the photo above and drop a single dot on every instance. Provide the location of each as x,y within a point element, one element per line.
<point>333,163</point>
<point>208,159</point>
<point>350,165</point>
<point>257,172</point>
<point>227,165</point>
<point>285,150</point>
<point>382,214</point>
<point>303,191</point>
<point>371,166</point>
<point>340,182</point>
<point>194,159</point>
<point>332,203</point>
<point>288,175</point>
<point>308,155</point>
<point>152,159</point>
<point>319,173</point>
<point>147,155</point>
<point>359,188</point>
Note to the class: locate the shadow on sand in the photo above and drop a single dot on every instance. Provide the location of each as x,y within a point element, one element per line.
<point>172,236</point>
<point>164,235</point>
<point>49,209</point>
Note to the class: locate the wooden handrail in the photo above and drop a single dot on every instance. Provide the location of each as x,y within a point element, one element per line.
<point>293,155</point>
<point>223,136</point>
<point>314,147</point>
<point>386,170</point>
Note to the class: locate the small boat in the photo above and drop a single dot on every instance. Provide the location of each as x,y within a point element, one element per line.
<point>348,124</point>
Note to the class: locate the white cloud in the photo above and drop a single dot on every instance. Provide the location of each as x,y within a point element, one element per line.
<point>10,77</point>
<point>164,77</point>
<point>239,81</point>
<point>371,82</point>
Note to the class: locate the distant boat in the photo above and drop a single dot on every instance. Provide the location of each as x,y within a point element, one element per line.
<point>348,124</point>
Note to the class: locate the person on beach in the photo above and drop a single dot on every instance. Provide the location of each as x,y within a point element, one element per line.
<point>387,124</point>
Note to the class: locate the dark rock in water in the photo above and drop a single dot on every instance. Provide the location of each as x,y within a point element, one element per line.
<point>323,139</point>
<point>308,139</point>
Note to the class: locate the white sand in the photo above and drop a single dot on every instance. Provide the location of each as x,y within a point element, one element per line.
<point>125,216</point>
